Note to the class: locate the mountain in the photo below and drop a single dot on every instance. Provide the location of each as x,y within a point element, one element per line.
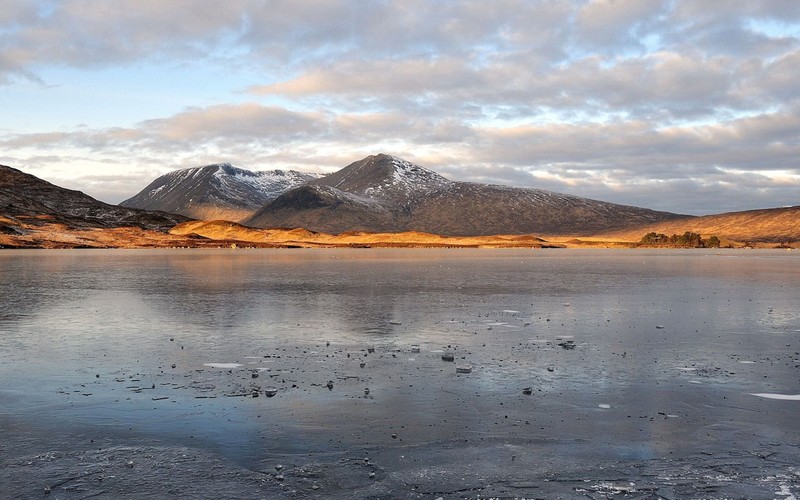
<point>218,191</point>
<point>383,193</point>
<point>28,200</point>
<point>378,190</point>
<point>769,225</point>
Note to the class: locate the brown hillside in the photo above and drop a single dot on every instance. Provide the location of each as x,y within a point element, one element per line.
<point>230,231</point>
<point>774,225</point>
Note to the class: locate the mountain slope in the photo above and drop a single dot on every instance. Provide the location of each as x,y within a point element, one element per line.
<point>218,191</point>
<point>26,197</point>
<point>770,225</point>
<point>383,193</point>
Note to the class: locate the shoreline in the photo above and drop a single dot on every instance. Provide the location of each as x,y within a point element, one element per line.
<point>224,234</point>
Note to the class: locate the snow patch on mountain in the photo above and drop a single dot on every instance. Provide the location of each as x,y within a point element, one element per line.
<point>410,177</point>
<point>255,188</point>
<point>385,177</point>
<point>272,183</point>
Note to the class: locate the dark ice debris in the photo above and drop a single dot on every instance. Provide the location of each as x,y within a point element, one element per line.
<point>567,344</point>
<point>329,385</point>
<point>448,356</point>
<point>527,391</point>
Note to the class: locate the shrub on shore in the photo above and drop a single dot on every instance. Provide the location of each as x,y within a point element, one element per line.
<point>685,240</point>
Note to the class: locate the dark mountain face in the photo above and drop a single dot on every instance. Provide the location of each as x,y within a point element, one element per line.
<point>26,196</point>
<point>323,206</point>
<point>387,194</point>
<point>218,191</point>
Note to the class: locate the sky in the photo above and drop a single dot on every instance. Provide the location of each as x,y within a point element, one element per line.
<point>685,106</point>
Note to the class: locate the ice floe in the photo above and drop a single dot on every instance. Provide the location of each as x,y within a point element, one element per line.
<point>784,397</point>
<point>224,366</point>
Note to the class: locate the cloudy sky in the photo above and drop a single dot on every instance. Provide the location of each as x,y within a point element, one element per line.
<point>688,106</point>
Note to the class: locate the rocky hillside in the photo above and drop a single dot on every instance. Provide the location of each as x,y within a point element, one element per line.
<point>383,193</point>
<point>27,199</point>
<point>218,191</point>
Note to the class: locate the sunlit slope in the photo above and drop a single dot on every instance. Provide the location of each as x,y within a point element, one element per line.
<point>229,231</point>
<point>766,225</point>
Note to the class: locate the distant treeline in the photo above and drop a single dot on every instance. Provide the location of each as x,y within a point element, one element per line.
<point>685,240</point>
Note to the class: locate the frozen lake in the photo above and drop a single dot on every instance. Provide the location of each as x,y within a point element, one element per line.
<point>590,372</point>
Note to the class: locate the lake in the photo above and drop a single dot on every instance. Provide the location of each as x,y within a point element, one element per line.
<point>321,373</point>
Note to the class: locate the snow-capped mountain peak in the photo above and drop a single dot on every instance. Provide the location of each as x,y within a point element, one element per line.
<point>219,190</point>
<point>385,175</point>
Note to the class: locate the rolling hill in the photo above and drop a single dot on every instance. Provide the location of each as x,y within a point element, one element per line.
<point>771,225</point>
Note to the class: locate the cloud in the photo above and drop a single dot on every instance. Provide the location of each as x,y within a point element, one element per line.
<point>664,86</point>
<point>233,124</point>
<point>616,23</point>
<point>674,104</point>
<point>624,161</point>
<point>83,33</point>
